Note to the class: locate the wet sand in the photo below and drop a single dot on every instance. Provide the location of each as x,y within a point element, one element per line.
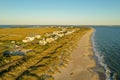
<point>79,67</point>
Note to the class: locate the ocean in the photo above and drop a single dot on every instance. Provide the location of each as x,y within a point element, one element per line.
<point>107,49</point>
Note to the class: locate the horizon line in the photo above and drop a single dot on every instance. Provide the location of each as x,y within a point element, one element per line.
<point>56,25</point>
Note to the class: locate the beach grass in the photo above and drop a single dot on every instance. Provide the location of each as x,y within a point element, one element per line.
<point>44,61</point>
<point>21,33</point>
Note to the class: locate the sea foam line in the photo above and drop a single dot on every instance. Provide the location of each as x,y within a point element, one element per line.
<point>100,58</point>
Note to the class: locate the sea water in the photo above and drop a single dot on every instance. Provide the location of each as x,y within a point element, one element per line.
<point>107,49</point>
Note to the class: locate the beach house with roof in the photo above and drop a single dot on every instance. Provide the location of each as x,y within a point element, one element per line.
<point>28,39</point>
<point>37,36</point>
<point>49,40</point>
<point>42,42</point>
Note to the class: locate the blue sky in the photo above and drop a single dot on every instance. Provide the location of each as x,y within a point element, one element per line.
<point>60,12</point>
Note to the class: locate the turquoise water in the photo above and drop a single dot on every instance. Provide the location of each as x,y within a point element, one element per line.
<point>107,49</point>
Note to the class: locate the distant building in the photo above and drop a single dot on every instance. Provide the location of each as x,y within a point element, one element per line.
<point>38,36</point>
<point>48,37</point>
<point>49,40</point>
<point>55,37</point>
<point>32,38</point>
<point>13,42</point>
<point>60,35</point>
<point>25,41</point>
<point>42,42</point>
<point>28,39</point>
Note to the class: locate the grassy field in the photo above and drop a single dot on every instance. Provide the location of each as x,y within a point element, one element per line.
<point>43,61</point>
<point>21,33</point>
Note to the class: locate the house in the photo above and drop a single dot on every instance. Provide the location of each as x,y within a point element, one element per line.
<point>48,34</point>
<point>56,32</point>
<point>25,41</point>
<point>55,37</point>
<point>49,40</point>
<point>42,42</point>
<point>63,30</point>
<point>37,36</point>
<point>17,48</point>
<point>28,39</point>
<point>69,32</point>
<point>13,42</point>
<point>60,35</point>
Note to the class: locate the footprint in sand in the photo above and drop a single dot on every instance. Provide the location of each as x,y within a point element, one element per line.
<point>71,73</point>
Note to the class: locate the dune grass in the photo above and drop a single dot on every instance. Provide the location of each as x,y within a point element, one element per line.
<point>45,60</point>
<point>21,33</point>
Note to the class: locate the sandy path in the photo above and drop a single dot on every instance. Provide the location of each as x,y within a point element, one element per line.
<point>79,67</point>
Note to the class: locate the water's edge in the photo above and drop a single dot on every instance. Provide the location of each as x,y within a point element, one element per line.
<point>98,68</point>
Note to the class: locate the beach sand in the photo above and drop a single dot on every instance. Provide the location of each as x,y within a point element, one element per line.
<point>79,67</point>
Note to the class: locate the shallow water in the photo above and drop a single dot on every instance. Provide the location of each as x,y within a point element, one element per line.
<point>107,46</point>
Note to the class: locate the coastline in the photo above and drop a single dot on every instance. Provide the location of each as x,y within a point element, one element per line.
<point>98,68</point>
<point>81,64</point>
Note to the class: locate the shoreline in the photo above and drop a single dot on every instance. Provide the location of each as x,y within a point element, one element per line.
<point>80,67</point>
<point>98,68</point>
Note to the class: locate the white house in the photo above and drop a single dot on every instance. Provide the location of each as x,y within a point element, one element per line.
<point>28,39</point>
<point>49,40</point>
<point>56,32</point>
<point>25,41</point>
<point>49,37</point>
<point>13,42</point>
<point>42,42</point>
<point>48,34</point>
<point>37,36</point>
<point>55,37</point>
<point>63,30</point>
<point>60,35</point>
<point>69,32</point>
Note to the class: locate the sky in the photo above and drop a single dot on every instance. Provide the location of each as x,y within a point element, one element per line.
<point>59,12</point>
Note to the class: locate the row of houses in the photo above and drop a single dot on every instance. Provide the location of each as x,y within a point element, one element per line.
<point>49,37</point>
<point>31,38</point>
<point>42,40</point>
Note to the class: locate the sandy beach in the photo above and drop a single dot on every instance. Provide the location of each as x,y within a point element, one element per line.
<point>79,68</point>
